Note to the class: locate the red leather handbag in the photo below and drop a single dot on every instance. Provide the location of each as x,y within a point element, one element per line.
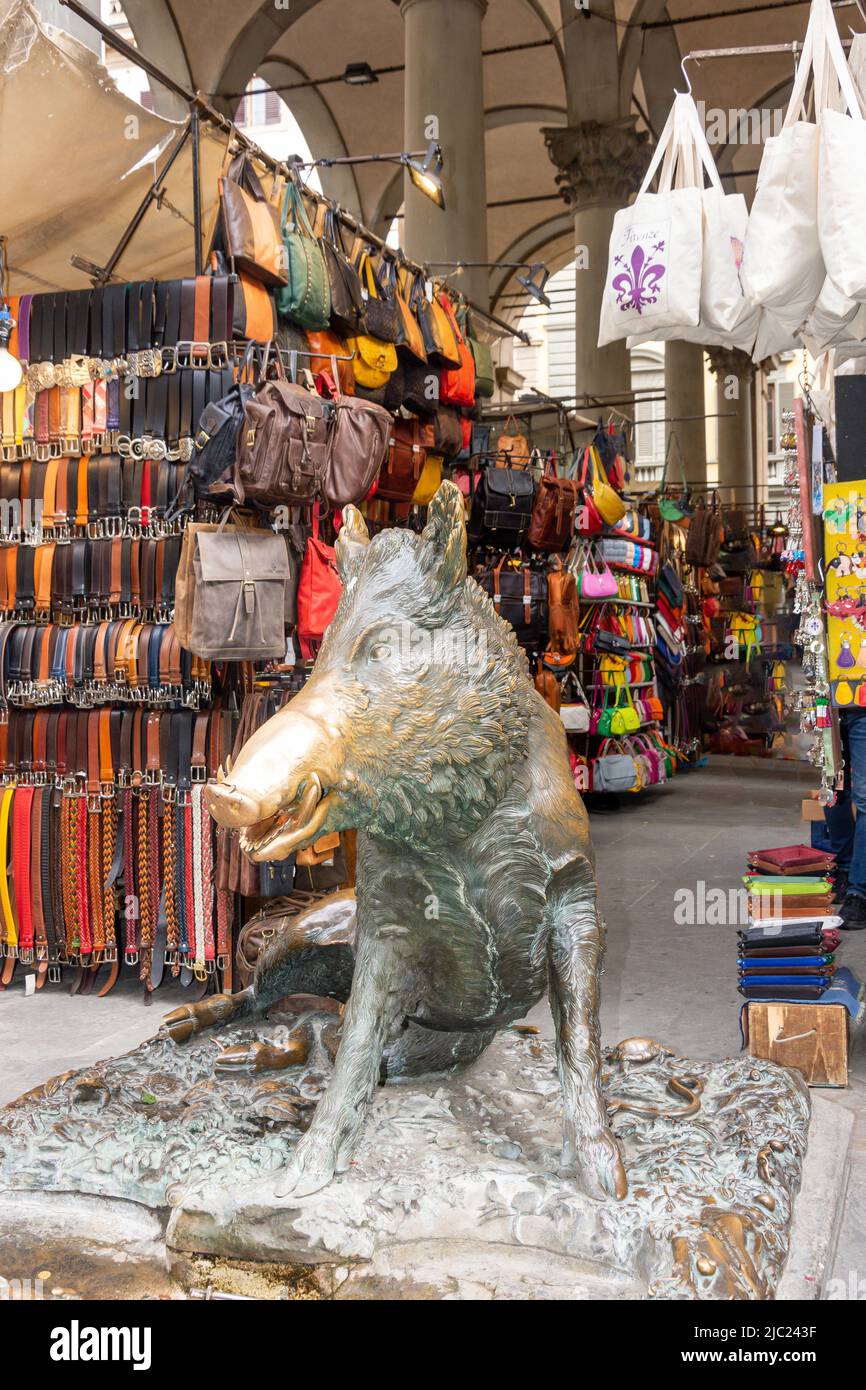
<point>319,592</point>
<point>588,520</point>
<point>457,384</point>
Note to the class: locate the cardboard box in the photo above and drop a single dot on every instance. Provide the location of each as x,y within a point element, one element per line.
<point>811,1038</point>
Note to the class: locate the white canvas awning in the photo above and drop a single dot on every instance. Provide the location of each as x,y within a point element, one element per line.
<point>71,170</point>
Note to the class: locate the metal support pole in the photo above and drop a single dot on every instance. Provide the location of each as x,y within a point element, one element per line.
<point>195,131</point>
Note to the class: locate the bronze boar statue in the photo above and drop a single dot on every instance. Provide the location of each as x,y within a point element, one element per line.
<point>476,889</point>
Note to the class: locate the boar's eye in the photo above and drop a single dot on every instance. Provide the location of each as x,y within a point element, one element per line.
<point>380,651</point>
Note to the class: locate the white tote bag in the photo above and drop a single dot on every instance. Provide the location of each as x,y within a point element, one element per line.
<point>654,265</point>
<point>842,176</point>
<point>727,318</point>
<point>783,268</point>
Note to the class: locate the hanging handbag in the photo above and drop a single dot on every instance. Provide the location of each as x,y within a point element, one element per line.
<point>547,686</point>
<point>457,385</point>
<point>358,439</point>
<point>613,772</point>
<point>410,339</point>
<point>501,506</point>
<point>553,511</point>
<point>447,432</point>
<point>595,579</point>
<point>420,387</point>
<point>513,442</point>
<point>440,341</point>
<point>428,483</point>
<point>380,314</point>
<point>347,301</point>
<point>254,314</point>
<point>574,707</point>
<point>704,537</point>
<point>608,503</point>
<point>374,361</point>
<point>215,442</point>
<point>250,225</point>
<point>238,602</point>
<point>482,357</point>
<point>330,351</point>
<point>408,444</point>
<point>319,592</point>
<point>305,295</point>
<point>519,596</point>
<point>282,447</point>
<point>669,509</point>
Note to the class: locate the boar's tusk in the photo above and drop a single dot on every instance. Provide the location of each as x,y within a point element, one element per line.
<point>221,777</point>
<point>228,764</point>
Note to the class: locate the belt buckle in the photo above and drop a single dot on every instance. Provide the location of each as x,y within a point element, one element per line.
<point>107,791</point>
<point>169,360</point>
<point>149,362</point>
<point>188,349</point>
<point>130,957</point>
<point>185,448</point>
<point>156,449</point>
<point>218,356</point>
<point>198,773</point>
<point>124,446</point>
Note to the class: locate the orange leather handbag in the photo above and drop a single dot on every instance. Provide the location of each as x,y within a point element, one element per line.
<point>457,384</point>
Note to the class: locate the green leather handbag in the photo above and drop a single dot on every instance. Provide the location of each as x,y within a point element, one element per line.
<point>307,297</point>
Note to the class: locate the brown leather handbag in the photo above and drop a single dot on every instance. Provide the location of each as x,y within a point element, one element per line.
<point>282,451</point>
<point>513,441</point>
<point>409,335</point>
<point>548,686</point>
<point>553,511</point>
<point>358,442</point>
<point>251,225</point>
<point>407,454</point>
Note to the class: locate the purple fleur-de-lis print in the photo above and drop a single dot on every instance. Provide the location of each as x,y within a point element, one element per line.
<point>639,283</point>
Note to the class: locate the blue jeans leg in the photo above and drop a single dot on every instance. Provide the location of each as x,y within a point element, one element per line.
<point>847,835</point>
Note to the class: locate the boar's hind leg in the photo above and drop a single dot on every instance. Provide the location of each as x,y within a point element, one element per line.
<point>328,1145</point>
<point>575,950</point>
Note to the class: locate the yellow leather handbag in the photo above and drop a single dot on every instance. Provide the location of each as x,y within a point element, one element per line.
<point>428,481</point>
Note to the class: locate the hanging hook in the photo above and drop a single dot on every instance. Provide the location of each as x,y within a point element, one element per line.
<point>686,77</point>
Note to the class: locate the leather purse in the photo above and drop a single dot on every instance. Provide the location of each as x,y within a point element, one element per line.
<point>358,440</point>
<point>614,772</point>
<point>347,301</point>
<point>513,442</point>
<point>595,579</point>
<point>482,357</point>
<point>319,592</point>
<point>593,482</point>
<point>447,432</point>
<point>562,621</point>
<point>440,341</point>
<point>409,339</point>
<point>428,483</point>
<point>380,315</point>
<point>282,447</point>
<point>305,296</point>
<point>239,595</point>
<point>331,351</point>
<point>374,361</point>
<point>407,454</point>
<point>553,511</point>
<point>704,537</point>
<point>547,686</point>
<point>250,224</point>
<point>457,384</point>
<point>420,387</point>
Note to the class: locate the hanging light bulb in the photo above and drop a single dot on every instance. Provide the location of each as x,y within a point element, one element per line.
<point>425,175</point>
<point>11,371</point>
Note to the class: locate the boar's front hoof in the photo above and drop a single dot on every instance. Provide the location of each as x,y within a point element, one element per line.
<point>599,1165</point>
<point>312,1167</point>
<point>261,1056</point>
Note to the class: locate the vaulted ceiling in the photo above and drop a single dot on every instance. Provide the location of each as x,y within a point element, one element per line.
<point>635,45</point>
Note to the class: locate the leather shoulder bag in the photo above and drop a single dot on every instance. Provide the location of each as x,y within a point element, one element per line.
<point>250,224</point>
<point>407,453</point>
<point>347,301</point>
<point>358,442</point>
<point>380,316</point>
<point>305,296</point>
<point>501,506</point>
<point>553,511</point>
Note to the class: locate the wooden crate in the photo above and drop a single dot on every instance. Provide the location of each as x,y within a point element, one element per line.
<point>812,1038</point>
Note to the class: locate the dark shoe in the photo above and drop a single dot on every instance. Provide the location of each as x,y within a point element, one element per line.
<point>840,885</point>
<point>854,913</point>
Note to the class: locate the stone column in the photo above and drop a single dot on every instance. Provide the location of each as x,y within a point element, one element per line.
<point>684,396</point>
<point>600,167</point>
<point>734,372</point>
<point>444,101</point>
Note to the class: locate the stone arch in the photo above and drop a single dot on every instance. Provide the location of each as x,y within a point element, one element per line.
<point>248,52</point>
<point>321,132</point>
<point>529,246</point>
<point>156,34</point>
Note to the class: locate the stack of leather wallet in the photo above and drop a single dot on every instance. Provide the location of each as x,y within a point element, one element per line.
<point>786,884</point>
<point>793,961</point>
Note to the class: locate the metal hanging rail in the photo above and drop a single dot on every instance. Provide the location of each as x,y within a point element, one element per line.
<point>200,107</point>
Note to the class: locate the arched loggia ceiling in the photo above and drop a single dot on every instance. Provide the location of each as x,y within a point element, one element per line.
<point>614,66</point>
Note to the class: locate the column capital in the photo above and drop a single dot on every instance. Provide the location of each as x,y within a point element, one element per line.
<point>479,5</point>
<point>726,361</point>
<point>598,163</point>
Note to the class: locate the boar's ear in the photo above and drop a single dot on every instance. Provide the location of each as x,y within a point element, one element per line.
<point>443,540</point>
<point>351,543</point>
